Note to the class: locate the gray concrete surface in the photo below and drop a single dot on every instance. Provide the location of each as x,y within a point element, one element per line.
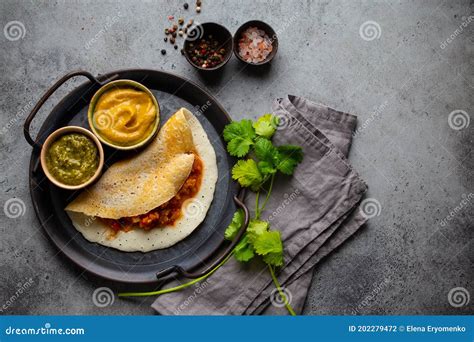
<point>403,84</point>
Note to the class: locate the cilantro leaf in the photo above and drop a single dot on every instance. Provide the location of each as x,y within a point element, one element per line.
<point>268,242</point>
<point>289,156</point>
<point>244,251</point>
<point>246,172</point>
<point>256,228</point>
<point>274,259</point>
<point>266,125</point>
<point>239,147</point>
<point>265,151</point>
<point>287,166</point>
<point>267,154</point>
<point>269,245</point>
<point>239,129</point>
<point>235,225</point>
<point>239,136</point>
<point>266,168</point>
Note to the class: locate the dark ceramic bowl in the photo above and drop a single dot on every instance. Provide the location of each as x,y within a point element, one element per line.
<point>262,26</point>
<point>218,32</point>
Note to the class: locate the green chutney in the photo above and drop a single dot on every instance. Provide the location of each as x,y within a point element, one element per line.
<point>72,159</point>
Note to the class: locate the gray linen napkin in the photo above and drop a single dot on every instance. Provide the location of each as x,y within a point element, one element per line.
<point>323,122</point>
<point>315,210</point>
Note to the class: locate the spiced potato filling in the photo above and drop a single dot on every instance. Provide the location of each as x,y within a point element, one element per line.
<point>166,214</point>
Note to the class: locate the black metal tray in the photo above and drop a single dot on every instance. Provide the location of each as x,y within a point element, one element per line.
<point>205,246</point>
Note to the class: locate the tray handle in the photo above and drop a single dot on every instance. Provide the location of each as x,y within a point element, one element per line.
<point>50,91</point>
<point>193,275</point>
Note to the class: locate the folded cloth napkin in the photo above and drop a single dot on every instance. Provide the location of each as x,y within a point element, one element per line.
<point>315,210</point>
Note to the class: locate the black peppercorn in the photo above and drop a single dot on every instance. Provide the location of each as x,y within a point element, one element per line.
<point>163,52</point>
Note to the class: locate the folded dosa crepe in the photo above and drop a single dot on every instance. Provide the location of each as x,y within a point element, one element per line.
<point>155,198</point>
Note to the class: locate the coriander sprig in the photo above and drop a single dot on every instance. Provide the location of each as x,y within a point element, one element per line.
<point>263,162</point>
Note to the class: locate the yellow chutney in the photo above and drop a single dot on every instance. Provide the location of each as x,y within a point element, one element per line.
<point>125,116</point>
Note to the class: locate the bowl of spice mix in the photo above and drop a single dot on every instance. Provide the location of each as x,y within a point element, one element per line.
<point>208,46</point>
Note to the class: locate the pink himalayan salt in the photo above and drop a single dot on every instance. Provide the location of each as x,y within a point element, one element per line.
<point>254,45</point>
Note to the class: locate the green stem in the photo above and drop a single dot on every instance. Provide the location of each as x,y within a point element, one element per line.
<point>257,210</point>
<point>278,286</point>
<point>176,288</point>
<point>268,193</point>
